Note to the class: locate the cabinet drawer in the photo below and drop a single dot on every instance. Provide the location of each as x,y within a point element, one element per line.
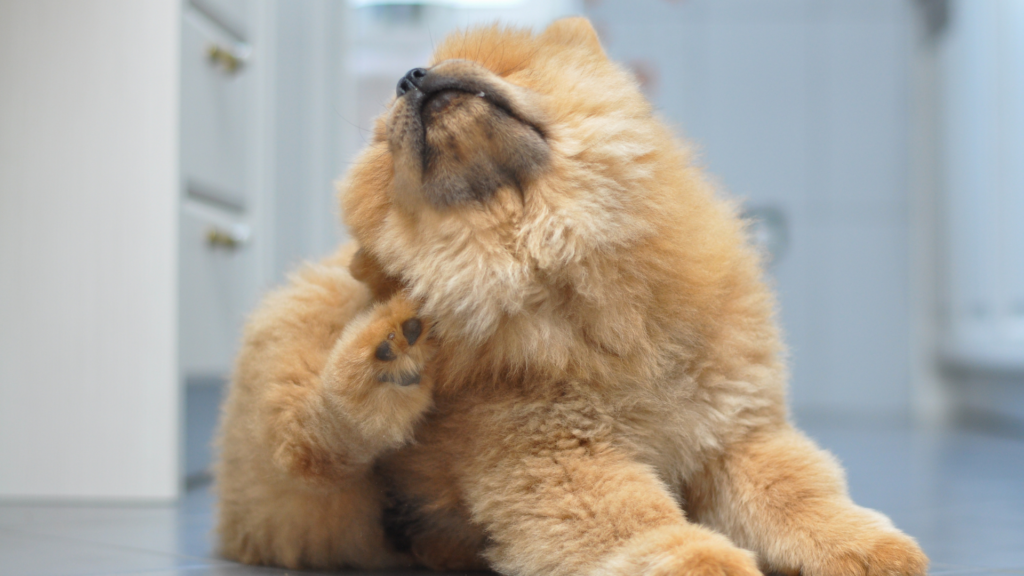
<point>217,114</point>
<point>219,285</point>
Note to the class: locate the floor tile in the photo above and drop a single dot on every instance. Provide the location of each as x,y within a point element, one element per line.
<point>161,529</point>
<point>40,555</point>
<point>960,493</point>
<point>235,570</point>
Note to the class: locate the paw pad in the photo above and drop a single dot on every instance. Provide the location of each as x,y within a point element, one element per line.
<point>411,329</point>
<point>394,348</point>
<point>384,351</point>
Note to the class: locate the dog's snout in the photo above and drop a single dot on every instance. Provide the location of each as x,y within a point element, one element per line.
<point>412,79</point>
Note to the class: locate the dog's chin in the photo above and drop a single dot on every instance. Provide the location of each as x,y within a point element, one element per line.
<point>455,147</point>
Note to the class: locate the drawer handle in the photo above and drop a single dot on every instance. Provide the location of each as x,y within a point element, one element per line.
<point>229,239</point>
<point>227,59</point>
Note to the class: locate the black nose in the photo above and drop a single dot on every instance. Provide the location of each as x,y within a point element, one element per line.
<point>412,79</point>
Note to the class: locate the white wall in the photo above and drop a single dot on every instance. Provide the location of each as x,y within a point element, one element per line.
<point>310,117</point>
<point>88,249</point>
<point>801,106</point>
<point>929,383</point>
<point>982,220</point>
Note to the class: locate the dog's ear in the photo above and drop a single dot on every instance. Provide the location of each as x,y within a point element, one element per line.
<point>365,268</point>
<point>575,31</point>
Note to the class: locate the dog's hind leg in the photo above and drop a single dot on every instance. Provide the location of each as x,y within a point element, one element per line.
<point>325,383</point>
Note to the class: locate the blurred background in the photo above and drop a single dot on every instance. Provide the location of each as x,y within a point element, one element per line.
<point>165,163</point>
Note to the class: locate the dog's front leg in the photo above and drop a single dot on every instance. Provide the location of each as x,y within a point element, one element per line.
<point>781,496</point>
<point>557,500</point>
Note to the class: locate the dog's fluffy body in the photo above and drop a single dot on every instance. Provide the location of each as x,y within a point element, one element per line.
<point>599,384</point>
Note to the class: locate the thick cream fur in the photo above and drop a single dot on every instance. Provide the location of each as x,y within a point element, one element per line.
<point>603,384</point>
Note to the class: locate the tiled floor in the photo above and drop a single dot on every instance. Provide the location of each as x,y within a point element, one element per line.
<point>960,492</point>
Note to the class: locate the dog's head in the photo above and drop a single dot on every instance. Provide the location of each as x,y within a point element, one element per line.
<point>508,182</point>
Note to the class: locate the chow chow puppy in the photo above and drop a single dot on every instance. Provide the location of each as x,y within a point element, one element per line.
<point>551,354</point>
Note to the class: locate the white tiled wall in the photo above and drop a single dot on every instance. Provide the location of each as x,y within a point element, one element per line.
<point>801,105</point>
<point>982,58</point>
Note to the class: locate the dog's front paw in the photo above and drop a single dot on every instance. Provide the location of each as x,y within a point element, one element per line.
<point>680,551</point>
<point>885,554</point>
<point>712,558</point>
<point>896,554</point>
<point>401,363</point>
<point>379,373</point>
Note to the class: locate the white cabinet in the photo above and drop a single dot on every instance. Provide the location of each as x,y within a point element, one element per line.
<point>224,146</point>
<point>220,151</point>
<point>261,112</point>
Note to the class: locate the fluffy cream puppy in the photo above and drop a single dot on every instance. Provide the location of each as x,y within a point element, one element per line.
<point>553,353</point>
